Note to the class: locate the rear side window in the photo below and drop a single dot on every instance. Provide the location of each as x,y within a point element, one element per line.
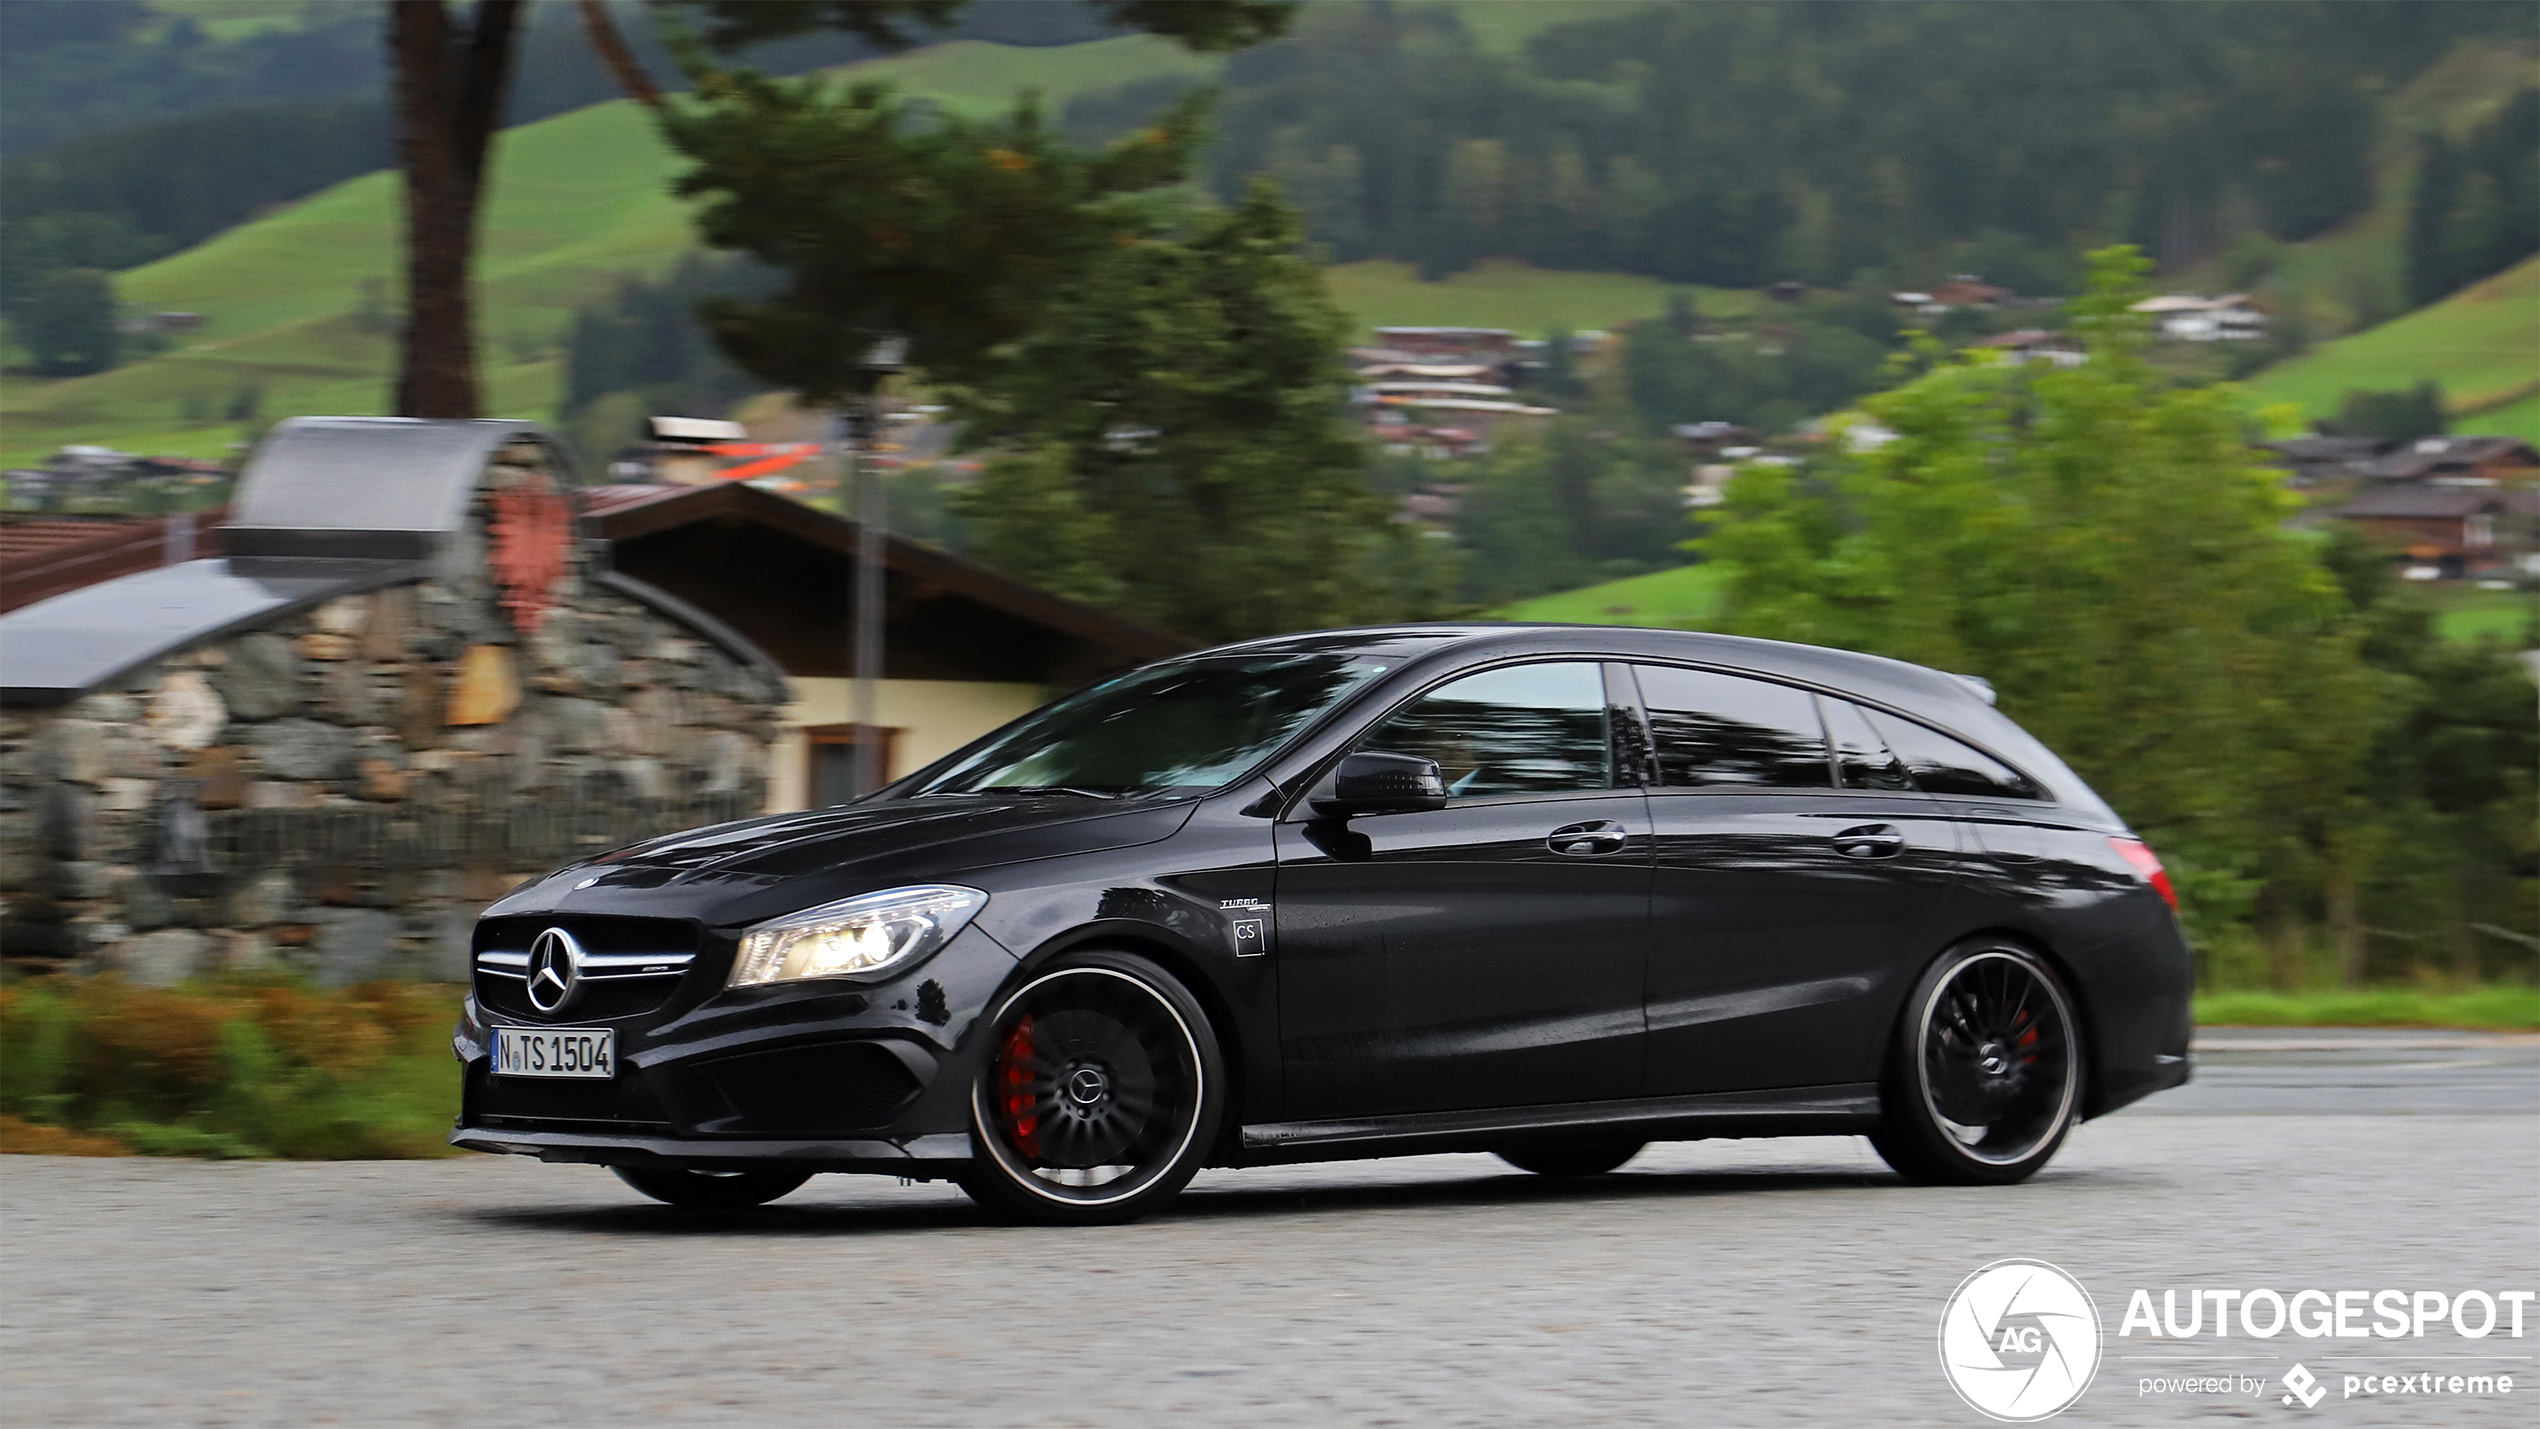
<point>1719,731</point>
<point>1942,765</point>
<point>1526,729</point>
<point>1862,760</point>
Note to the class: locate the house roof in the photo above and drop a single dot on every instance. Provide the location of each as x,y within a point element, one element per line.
<point>2419,501</point>
<point>2444,456</point>
<point>773,568</point>
<point>47,556</point>
<point>2191,303</point>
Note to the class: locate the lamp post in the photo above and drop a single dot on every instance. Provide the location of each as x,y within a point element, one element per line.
<point>869,503</point>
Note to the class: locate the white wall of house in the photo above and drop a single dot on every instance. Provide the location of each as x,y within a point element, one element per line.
<point>933,717</point>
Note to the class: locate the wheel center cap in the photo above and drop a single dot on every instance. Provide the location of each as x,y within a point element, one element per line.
<point>1995,1063</point>
<point>1087,1085</point>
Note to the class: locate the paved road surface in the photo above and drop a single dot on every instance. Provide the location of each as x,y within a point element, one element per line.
<point>1717,1283</point>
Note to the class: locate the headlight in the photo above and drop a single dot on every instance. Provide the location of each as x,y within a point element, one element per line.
<point>856,936</point>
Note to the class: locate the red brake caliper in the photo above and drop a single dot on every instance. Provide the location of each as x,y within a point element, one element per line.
<point>1014,1089</point>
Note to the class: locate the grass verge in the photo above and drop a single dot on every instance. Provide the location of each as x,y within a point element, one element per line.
<point>2502,1007</point>
<point>243,1067</point>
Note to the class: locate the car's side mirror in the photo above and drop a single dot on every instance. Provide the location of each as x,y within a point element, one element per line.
<point>1372,782</point>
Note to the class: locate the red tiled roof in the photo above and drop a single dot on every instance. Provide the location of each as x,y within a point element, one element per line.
<point>45,556</point>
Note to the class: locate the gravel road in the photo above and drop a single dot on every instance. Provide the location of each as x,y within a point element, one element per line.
<point>1728,1283</point>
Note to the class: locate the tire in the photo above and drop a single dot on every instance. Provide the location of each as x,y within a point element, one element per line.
<point>712,1190</point>
<point>1984,1077</point>
<point>1098,1097</point>
<point>1577,1157</point>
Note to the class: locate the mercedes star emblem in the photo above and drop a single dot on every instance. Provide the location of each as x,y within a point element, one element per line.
<point>555,965</point>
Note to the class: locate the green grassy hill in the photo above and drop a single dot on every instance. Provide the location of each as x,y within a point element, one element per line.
<point>292,301</point>
<point>1686,598</point>
<point>2482,344</point>
<point>1500,293</point>
<point>296,302</point>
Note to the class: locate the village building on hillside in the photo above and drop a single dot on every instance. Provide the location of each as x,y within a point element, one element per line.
<point>2035,344</point>
<point>1486,343</point>
<point>1965,290</point>
<point>2486,461</point>
<point>2185,317</point>
<point>2326,464</point>
<point>2453,532</point>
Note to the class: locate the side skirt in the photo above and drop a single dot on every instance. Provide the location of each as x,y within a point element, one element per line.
<point>1839,1110</point>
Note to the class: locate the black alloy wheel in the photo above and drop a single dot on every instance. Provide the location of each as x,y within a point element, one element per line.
<point>1100,1097</point>
<point>711,1190</point>
<point>1571,1156</point>
<point>1984,1080</point>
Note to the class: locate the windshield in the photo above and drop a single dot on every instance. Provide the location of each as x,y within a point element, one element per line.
<point>1182,728</point>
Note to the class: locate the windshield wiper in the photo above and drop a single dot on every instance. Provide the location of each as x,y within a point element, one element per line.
<point>1048,789</point>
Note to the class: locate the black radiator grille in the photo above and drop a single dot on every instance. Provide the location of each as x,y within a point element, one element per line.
<point>630,966</point>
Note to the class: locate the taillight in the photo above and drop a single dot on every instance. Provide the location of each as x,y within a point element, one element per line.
<point>2148,865</point>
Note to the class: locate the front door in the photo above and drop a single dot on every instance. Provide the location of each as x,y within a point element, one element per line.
<point>1793,889</point>
<point>1488,954</point>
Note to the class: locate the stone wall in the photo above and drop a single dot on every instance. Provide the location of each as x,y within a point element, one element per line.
<point>340,791</point>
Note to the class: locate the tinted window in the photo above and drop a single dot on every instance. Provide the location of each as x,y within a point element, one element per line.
<point>1183,727</point>
<point>1941,765</point>
<point>1862,760</point>
<point>1522,730</point>
<point>1721,731</point>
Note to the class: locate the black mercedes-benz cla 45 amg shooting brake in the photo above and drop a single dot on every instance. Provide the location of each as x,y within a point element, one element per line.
<point>1547,891</point>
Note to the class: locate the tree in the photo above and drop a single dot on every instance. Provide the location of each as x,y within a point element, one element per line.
<point>1181,452</point>
<point>2102,546</point>
<point>67,324</point>
<point>953,235</point>
<point>451,77</point>
<point>2401,416</point>
<point>452,73</point>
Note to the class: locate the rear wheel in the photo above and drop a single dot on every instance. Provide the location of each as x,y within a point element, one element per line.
<point>1100,1098</point>
<point>711,1190</point>
<point>1984,1080</point>
<point>1572,1157</point>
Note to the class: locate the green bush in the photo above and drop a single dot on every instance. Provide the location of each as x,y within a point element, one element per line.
<point>239,1067</point>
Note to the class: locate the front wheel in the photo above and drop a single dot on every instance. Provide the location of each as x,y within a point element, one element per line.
<point>1100,1098</point>
<point>711,1190</point>
<point>1984,1080</point>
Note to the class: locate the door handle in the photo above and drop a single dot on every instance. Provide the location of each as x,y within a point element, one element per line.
<point>1589,839</point>
<point>1870,841</point>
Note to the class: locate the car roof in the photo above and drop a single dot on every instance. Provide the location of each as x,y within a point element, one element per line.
<point>1874,676</point>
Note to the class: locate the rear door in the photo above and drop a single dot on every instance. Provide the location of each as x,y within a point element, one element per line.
<point>1797,876</point>
<point>1488,954</point>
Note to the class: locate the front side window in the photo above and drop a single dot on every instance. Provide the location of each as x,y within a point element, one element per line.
<point>1181,728</point>
<point>1719,731</point>
<point>1525,729</point>
<point>1942,765</point>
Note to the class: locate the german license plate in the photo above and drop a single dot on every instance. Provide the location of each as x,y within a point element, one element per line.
<point>555,1052</point>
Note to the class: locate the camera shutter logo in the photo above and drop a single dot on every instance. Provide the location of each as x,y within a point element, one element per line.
<point>2019,1340</point>
<point>555,966</point>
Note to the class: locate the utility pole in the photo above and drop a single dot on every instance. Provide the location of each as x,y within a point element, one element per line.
<point>871,514</point>
<point>870,510</point>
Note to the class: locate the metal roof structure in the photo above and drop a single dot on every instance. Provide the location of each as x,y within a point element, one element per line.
<point>370,488</point>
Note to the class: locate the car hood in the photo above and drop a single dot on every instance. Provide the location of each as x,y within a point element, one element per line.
<point>851,847</point>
